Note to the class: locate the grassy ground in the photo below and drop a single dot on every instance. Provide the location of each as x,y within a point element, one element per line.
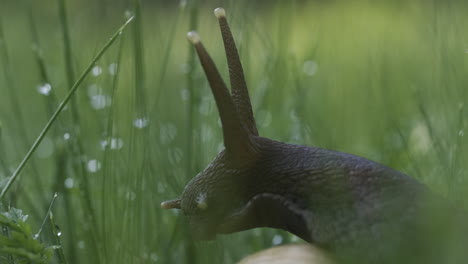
<point>386,80</point>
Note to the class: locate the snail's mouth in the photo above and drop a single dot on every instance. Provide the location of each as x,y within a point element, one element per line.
<point>262,210</point>
<point>267,210</point>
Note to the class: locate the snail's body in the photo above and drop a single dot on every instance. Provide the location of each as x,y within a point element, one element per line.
<point>335,200</point>
<point>340,202</point>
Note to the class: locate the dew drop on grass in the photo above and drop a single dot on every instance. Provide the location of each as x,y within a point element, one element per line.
<point>175,155</point>
<point>114,143</point>
<point>264,118</point>
<point>100,101</point>
<point>206,133</point>
<point>94,89</point>
<point>310,67</point>
<point>206,106</point>
<point>81,244</point>
<point>96,71</point>
<point>184,94</point>
<point>128,14</point>
<point>69,183</point>
<point>154,257</point>
<point>131,196</point>
<point>66,136</point>
<point>141,122</point>
<point>59,234</point>
<point>461,133</point>
<point>93,166</point>
<point>167,133</point>
<point>277,239</point>
<point>112,68</point>
<point>44,89</point>
<point>185,68</point>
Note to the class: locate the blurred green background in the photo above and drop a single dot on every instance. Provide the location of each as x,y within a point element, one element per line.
<point>387,80</point>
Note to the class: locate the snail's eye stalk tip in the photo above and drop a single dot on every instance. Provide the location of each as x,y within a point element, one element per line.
<point>219,12</point>
<point>193,37</point>
<point>172,204</point>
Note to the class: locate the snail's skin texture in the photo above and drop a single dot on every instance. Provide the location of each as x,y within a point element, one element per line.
<point>356,209</point>
<point>340,202</point>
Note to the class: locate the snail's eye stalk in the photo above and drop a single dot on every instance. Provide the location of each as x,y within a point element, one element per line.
<point>236,135</point>
<point>240,93</point>
<point>172,204</point>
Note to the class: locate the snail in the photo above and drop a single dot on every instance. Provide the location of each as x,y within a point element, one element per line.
<point>350,206</point>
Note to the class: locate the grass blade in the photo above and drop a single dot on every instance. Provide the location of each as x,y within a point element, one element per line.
<point>62,105</point>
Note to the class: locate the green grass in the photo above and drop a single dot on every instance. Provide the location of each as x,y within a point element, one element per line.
<point>386,80</point>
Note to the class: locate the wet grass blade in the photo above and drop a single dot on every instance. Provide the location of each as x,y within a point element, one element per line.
<point>62,105</point>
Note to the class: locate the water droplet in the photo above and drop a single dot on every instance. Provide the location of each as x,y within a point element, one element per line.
<point>175,155</point>
<point>36,236</point>
<point>182,4</point>
<point>141,122</point>
<point>112,68</point>
<point>100,101</point>
<point>461,133</point>
<point>94,89</point>
<point>310,67</point>
<point>44,89</point>
<point>161,188</point>
<point>264,118</point>
<point>131,196</point>
<point>184,94</point>
<point>420,139</point>
<point>206,105</point>
<point>185,68</point>
<point>277,239</point>
<point>59,233</point>
<point>128,14</point>
<point>154,257</point>
<point>69,183</point>
<point>96,71</point>
<point>206,133</point>
<point>93,166</point>
<point>167,133</point>
<point>66,136</point>
<point>81,244</point>
<point>115,143</point>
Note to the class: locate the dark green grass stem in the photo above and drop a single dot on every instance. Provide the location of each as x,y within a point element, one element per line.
<point>190,251</point>
<point>62,105</point>
<point>66,42</point>
<point>58,241</point>
<point>107,159</point>
<point>139,62</point>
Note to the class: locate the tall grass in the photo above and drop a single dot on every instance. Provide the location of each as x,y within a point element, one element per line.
<point>383,80</point>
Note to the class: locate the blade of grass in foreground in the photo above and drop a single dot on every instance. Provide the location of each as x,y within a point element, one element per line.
<point>61,106</point>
